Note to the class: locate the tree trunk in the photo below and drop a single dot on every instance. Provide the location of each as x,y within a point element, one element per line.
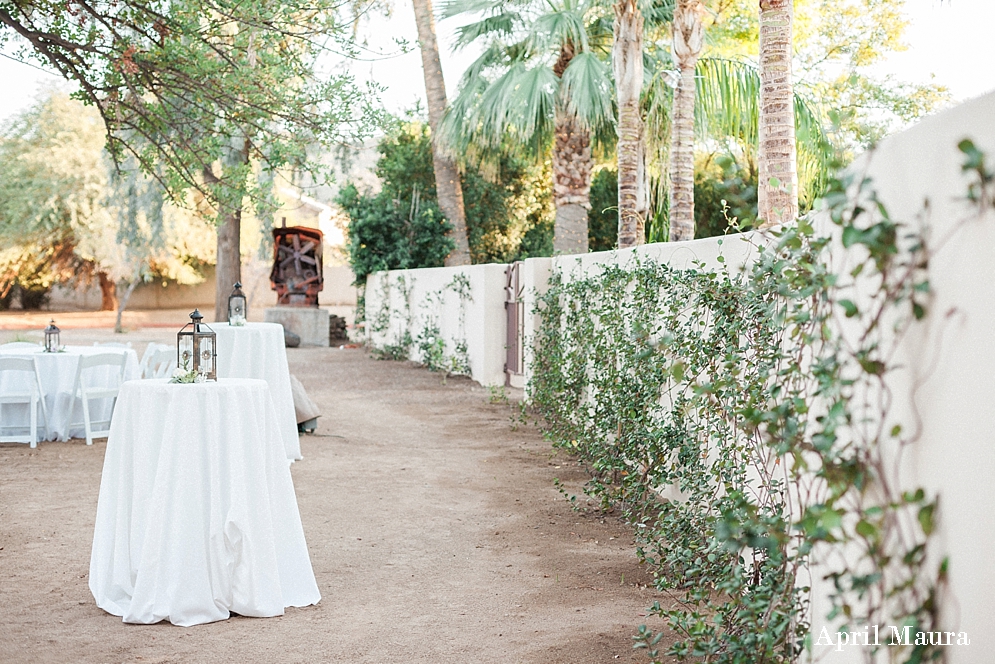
<point>689,34</point>
<point>778,183</point>
<point>627,59</point>
<point>123,301</point>
<point>571,184</point>
<point>572,164</point>
<point>229,265</point>
<point>108,292</point>
<point>228,269</point>
<point>447,182</point>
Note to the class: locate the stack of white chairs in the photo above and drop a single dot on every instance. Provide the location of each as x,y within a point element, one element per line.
<point>32,397</point>
<point>85,393</point>
<point>158,361</point>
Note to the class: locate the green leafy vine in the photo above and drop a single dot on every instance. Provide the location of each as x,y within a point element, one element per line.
<point>433,351</point>
<point>743,423</point>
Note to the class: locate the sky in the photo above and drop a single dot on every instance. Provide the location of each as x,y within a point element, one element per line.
<point>950,43</point>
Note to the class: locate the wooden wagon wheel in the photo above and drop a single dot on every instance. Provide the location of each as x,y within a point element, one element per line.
<point>296,255</point>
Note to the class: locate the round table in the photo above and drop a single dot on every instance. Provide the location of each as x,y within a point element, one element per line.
<point>57,372</point>
<point>258,350</point>
<point>197,516</point>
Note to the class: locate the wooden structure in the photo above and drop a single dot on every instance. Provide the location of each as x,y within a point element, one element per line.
<point>297,268</point>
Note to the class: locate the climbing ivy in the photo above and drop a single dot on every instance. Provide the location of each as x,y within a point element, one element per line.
<point>742,422</point>
<point>395,325</point>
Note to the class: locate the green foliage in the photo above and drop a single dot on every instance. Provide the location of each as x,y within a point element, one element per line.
<point>508,215</point>
<point>383,235</point>
<point>602,218</point>
<point>66,215</point>
<point>836,44</point>
<point>723,191</point>
<point>742,399</point>
<point>391,326</point>
<point>188,85</point>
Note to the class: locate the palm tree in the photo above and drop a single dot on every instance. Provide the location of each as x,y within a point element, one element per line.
<point>627,59</point>
<point>514,93</point>
<point>778,184</point>
<point>447,182</point>
<point>688,38</point>
<point>540,84</point>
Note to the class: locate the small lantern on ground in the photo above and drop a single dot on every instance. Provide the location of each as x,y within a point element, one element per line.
<point>238,308</point>
<point>52,338</point>
<point>196,347</point>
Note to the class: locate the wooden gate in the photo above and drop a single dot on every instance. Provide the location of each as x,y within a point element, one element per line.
<point>514,308</point>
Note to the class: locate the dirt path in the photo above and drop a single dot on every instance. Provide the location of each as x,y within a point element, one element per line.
<point>435,531</point>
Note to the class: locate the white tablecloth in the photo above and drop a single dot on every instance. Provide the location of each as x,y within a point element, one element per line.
<point>257,350</point>
<point>197,515</point>
<point>58,375</point>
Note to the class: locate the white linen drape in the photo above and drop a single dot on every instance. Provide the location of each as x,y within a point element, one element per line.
<point>197,515</point>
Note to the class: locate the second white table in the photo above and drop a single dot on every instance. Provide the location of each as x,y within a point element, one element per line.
<point>258,350</point>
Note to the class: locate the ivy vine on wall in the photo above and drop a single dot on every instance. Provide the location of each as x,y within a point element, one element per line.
<point>397,326</point>
<point>743,423</point>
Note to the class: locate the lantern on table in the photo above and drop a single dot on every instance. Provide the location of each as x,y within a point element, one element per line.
<point>52,338</point>
<point>196,347</point>
<point>238,308</point>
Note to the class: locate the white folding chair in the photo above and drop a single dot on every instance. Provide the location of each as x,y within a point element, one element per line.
<point>85,393</point>
<point>32,397</point>
<point>163,362</point>
<point>158,361</point>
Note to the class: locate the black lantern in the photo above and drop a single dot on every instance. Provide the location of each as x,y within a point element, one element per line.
<point>52,338</point>
<point>238,308</point>
<point>196,347</point>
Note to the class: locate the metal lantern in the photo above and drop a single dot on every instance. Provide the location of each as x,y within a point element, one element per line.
<point>52,338</point>
<point>196,347</point>
<point>238,308</point>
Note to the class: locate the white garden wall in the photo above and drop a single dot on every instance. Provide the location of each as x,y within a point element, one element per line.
<point>418,300</point>
<point>947,383</point>
<point>947,377</point>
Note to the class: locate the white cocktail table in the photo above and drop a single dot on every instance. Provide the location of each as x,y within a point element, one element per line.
<point>258,350</point>
<point>57,372</point>
<point>197,515</point>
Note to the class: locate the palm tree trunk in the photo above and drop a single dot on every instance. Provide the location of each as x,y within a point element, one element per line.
<point>447,182</point>
<point>627,59</point>
<point>572,164</point>
<point>689,34</point>
<point>778,184</point>
<point>571,183</point>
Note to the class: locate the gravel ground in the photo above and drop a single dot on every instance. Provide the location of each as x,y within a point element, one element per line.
<point>434,526</point>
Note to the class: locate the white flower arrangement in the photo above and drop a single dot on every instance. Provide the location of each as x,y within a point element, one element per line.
<point>184,375</point>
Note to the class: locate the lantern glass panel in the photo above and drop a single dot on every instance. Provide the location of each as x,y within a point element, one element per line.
<point>52,338</point>
<point>205,353</point>
<point>185,351</point>
<point>237,306</point>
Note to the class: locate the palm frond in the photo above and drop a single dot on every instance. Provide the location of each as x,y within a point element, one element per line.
<point>587,90</point>
<point>727,102</point>
<point>451,8</point>
<point>560,27</point>
<point>532,103</point>
<point>727,105</point>
<point>500,25</point>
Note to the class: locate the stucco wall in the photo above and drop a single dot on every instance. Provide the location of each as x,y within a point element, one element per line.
<point>433,300</point>
<point>946,383</point>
